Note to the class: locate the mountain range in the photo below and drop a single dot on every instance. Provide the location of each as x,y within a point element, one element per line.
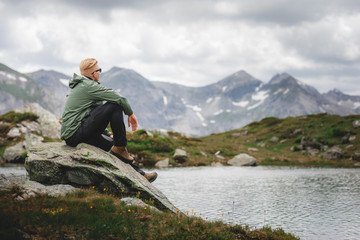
<point>227,104</point>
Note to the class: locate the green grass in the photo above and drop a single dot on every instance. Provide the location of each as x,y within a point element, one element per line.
<point>326,129</point>
<point>86,214</point>
<point>14,117</point>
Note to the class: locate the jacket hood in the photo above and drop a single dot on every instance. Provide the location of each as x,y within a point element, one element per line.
<point>75,80</point>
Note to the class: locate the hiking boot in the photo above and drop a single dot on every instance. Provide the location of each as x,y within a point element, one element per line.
<point>122,153</point>
<point>151,176</point>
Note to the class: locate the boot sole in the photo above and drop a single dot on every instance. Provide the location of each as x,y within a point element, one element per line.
<point>121,158</point>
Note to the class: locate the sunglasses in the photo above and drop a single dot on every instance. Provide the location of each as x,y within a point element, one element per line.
<point>98,70</point>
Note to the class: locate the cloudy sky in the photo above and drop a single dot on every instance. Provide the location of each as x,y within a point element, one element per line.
<point>189,42</point>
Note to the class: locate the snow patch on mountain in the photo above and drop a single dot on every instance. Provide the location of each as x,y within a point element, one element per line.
<point>260,96</point>
<point>209,100</point>
<point>356,105</point>
<point>8,75</point>
<point>278,91</point>
<point>64,81</point>
<point>224,88</point>
<point>218,112</point>
<point>258,88</point>
<point>194,108</point>
<point>165,100</point>
<point>22,79</point>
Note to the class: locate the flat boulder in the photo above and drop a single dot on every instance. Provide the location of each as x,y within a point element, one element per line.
<point>333,153</point>
<point>180,155</point>
<point>242,159</point>
<point>87,166</point>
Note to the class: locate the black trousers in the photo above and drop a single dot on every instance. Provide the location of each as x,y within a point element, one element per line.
<point>92,128</point>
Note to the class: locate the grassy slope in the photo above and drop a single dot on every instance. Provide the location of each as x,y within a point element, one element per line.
<point>86,214</point>
<point>328,130</point>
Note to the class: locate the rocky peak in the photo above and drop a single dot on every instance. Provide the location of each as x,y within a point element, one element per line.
<point>283,78</point>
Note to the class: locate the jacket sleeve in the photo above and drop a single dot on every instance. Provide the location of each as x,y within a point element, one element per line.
<point>101,93</point>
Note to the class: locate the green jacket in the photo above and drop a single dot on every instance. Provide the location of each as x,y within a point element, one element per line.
<point>86,94</point>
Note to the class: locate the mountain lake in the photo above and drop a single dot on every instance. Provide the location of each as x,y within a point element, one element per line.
<point>311,203</point>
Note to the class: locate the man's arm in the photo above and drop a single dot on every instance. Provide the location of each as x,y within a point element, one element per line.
<point>133,122</point>
<point>101,93</point>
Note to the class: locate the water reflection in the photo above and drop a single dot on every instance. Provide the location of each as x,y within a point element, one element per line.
<point>313,203</point>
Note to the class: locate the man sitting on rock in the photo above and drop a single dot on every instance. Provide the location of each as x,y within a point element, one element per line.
<point>86,117</point>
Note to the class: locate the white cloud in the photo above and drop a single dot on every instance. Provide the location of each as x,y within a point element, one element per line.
<point>187,42</point>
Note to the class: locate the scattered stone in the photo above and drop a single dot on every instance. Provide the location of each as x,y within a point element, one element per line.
<point>160,132</point>
<point>31,188</point>
<point>253,149</point>
<point>324,148</point>
<point>356,123</point>
<point>216,164</point>
<point>162,164</point>
<point>312,151</point>
<point>274,139</point>
<point>349,146</point>
<point>295,148</point>
<point>149,133</point>
<point>240,134</point>
<point>180,155</point>
<point>203,153</point>
<point>356,156</point>
<point>352,138</point>
<point>219,157</point>
<point>345,140</point>
<point>333,153</point>
<point>261,144</point>
<point>137,202</point>
<point>14,153</point>
<point>32,139</point>
<point>298,131</point>
<point>31,126</point>
<point>242,160</point>
<point>87,166</point>
<point>14,133</point>
<point>49,125</point>
<point>284,140</point>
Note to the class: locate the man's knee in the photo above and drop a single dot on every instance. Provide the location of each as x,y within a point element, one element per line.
<point>112,106</point>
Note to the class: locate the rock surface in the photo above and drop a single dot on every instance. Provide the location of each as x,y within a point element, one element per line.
<point>49,125</point>
<point>31,188</point>
<point>242,160</point>
<point>333,153</point>
<point>87,166</point>
<point>162,164</point>
<point>180,155</point>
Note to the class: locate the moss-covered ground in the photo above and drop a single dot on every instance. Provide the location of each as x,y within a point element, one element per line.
<point>86,214</point>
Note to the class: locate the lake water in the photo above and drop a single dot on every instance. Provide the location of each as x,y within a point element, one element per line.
<point>311,203</point>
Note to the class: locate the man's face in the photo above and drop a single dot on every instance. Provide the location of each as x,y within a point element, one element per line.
<point>95,75</point>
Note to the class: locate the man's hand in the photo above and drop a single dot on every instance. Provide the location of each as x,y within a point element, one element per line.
<point>133,122</point>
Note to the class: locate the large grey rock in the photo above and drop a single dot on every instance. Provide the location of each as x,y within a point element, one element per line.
<point>49,125</point>
<point>14,153</point>
<point>356,123</point>
<point>162,164</point>
<point>242,159</point>
<point>32,188</point>
<point>180,155</point>
<point>14,133</point>
<point>87,166</point>
<point>333,153</point>
<point>356,156</point>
